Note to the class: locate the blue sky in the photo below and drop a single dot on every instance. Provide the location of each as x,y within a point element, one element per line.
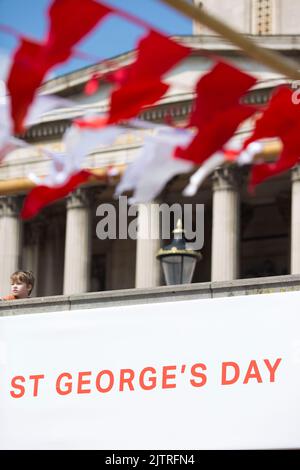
<point>112,37</point>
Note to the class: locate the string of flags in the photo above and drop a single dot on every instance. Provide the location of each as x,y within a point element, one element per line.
<point>205,143</point>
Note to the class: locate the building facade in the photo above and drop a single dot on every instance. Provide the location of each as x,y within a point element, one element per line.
<point>257,17</point>
<point>245,236</point>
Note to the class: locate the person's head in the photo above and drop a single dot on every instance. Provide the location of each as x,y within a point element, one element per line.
<point>22,283</point>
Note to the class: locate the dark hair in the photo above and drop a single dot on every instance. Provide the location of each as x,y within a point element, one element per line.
<point>24,276</point>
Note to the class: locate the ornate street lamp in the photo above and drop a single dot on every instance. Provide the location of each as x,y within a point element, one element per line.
<point>177,260</point>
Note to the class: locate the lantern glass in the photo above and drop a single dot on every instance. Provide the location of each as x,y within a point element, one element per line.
<point>178,269</point>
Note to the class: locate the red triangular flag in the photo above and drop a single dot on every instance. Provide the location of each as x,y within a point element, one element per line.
<point>215,134</point>
<point>217,91</point>
<point>28,70</point>
<point>280,119</point>
<point>128,101</point>
<point>263,171</point>
<point>70,21</point>
<point>140,84</point>
<point>156,55</point>
<point>217,112</point>
<point>41,196</point>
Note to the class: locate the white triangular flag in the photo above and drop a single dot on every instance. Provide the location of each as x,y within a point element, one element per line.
<point>155,165</point>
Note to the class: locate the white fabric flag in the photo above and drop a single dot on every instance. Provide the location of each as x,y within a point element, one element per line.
<point>207,167</point>
<point>78,143</point>
<point>41,105</point>
<point>245,157</point>
<point>155,165</point>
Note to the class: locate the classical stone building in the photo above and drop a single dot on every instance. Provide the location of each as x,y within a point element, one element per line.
<point>245,235</point>
<point>257,17</point>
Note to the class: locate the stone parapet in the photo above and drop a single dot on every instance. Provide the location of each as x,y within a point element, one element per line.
<point>266,285</point>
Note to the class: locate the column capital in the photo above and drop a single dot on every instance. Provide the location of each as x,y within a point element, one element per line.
<point>10,206</point>
<point>296,173</point>
<point>226,178</point>
<point>79,199</point>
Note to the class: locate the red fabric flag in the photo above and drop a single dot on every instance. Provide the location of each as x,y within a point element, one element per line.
<point>27,73</point>
<point>263,171</point>
<point>280,119</point>
<point>70,21</point>
<point>128,101</point>
<point>215,134</point>
<point>92,86</point>
<point>140,84</point>
<point>217,91</point>
<point>41,196</point>
<point>156,55</point>
<point>91,123</point>
<point>217,112</point>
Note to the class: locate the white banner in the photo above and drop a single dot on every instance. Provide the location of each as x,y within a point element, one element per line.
<point>197,374</point>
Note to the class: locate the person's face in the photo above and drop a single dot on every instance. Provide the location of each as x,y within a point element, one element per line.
<point>20,289</point>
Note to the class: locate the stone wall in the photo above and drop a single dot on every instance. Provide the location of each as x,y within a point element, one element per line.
<point>153,295</point>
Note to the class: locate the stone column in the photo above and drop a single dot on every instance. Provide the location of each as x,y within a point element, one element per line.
<point>225,226</point>
<point>295,222</point>
<point>147,272</point>
<point>77,243</point>
<point>10,240</point>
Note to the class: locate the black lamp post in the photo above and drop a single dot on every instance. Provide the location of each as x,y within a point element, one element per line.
<point>177,260</point>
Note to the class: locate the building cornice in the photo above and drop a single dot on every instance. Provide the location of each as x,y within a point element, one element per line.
<point>282,42</point>
<point>23,185</point>
<point>176,111</point>
<point>73,82</point>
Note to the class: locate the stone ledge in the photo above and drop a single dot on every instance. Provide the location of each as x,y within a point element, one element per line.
<point>261,285</point>
<point>153,295</point>
<point>53,303</point>
<point>140,296</point>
